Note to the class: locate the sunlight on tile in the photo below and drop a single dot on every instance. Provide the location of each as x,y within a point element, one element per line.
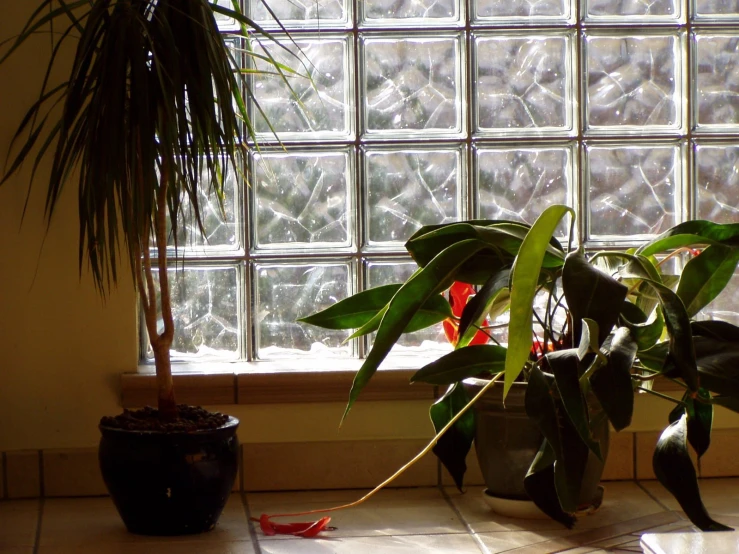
<point>719,495</point>
<point>409,544</point>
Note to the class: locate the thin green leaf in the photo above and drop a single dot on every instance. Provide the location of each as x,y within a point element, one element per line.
<point>454,445</point>
<point>705,276</point>
<point>478,307</point>
<point>692,233</point>
<point>461,364</point>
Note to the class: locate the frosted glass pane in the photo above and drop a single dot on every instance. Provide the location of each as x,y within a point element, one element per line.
<point>523,83</point>
<point>718,80</point>
<point>409,189</point>
<point>420,12</point>
<point>633,81</point>
<point>632,190</point>
<point>717,9</point>
<point>302,199</point>
<point>717,183</point>
<point>431,338</point>
<point>290,291</point>
<point>299,12</point>
<point>413,86</point>
<point>643,10</point>
<point>321,107</point>
<point>522,9</point>
<point>519,183</point>
<point>205,307</point>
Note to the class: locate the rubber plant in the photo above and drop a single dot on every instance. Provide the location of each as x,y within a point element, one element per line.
<point>586,330</point>
<point>152,113</point>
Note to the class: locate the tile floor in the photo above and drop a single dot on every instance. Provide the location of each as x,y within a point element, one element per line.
<point>427,520</point>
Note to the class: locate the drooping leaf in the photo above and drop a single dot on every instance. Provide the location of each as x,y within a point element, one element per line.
<point>674,469</point>
<point>477,308</point>
<point>461,364</point>
<point>611,383</point>
<point>717,329</point>
<point>570,452</point>
<point>645,331</point>
<point>431,280</point>
<point>718,365</point>
<point>699,410</point>
<point>454,445</point>
<point>565,365</point>
<point>591,294</point>
<point>692,233</point>
<point>655,358</point>
<point>706,275</point>
<point>524,281</point>
<point>357,310</point>
<point>588,338</point>
<point>539,485</point>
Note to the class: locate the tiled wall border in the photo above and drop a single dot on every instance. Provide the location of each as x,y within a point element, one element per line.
<point>329,465</point>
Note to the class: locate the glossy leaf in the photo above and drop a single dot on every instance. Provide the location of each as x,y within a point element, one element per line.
<point>361,308</point>
<point>454,445</point>
<point>692,233</point>
<point>565,365</point>
<point>478,307</point>
<point>611,383</point>
<point>655,358</point>
<point>645,331</point>
<point>700,419</point>
<point>539,485</point>
<point>705,276</point>
<point>588,338</point>
<point>591,294</point>
<point>570,452</point>
<point>461,364</point>
<point>431,280</point>
<point>716,329</point>
<point>718,365</point>
<point>524,281</point>
<point>674,469</point>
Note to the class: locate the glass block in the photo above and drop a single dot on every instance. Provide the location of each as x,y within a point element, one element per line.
<point>530,11</point>
<point>320,107</point>
<point>303,199</point>
<point>523,84</point>
<point>631,11</point>
<point>378,13</point>
<point>300,13</point>
<point>519,183</point>
<point>205,308</point>
<point>286,292</point>
<point>409,188</point>
<point>431,339</point>
<point>225,23</point>
<point>221,224</point>
<point>722,10</point>
<point>633,190</point>
<point>717,81</point>
<point>726,305</point>
<point>413,86</point>
<point>634,83</point>
<point>717,182</point>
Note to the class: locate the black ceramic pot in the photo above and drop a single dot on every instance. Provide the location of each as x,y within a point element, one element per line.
<point>506,442</point>
<point>169,483</point>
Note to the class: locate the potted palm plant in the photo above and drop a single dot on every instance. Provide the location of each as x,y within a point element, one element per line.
<point>584,333</point>
<point>153,116</point>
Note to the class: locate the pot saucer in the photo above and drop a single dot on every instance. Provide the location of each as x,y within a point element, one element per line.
<point>526,509</point>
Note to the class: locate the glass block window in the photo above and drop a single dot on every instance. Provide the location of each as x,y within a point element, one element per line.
<point>420,112</point>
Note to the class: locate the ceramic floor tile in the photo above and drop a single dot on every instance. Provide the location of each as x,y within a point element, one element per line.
<point>408,544</point>
<point>83,521</point>
<point>240,547</point>
<point>691,543</point>
<point>504,541</point>
<point>622,501</point>
<point>18,522</point>
<point>720,496</point>
<point>389,512</point>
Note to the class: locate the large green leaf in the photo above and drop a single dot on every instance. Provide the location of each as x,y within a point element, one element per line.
<point>477,308</point>
<point>645,331</point>
<point>655,358</point>
<point>611,383</point>
<point>699,410</point>
<point>357,310</point>
<point>524,281</point>
<point>692,233</point>
<point>591,294</point>
<point>539,485</point>
<point>431,280</point>
<point>674,469</point>
<point>454,445</point>
<point>565,365</point>
<point>716,329</point>
<point>461,364</point>
<point>718,365</point>
<point>705,276</point>
<point>571,453</point>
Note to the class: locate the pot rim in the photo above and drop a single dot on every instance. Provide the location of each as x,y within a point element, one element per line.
<point>232,422</point>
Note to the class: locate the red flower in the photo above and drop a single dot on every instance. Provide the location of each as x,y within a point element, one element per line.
<point>459,294</point>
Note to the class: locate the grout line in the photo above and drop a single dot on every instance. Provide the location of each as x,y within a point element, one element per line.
<point>41,484</point>
<point>650,495</point>
<point>37,539</point>
<point>250,523</point>
<point>470,532</point>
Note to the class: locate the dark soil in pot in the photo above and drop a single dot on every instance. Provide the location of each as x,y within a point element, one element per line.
<point>169,478</point>
<point>506,442</point>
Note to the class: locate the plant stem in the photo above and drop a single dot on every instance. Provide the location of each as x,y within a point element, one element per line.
<point>398,473</point>
<point>663,396</point>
